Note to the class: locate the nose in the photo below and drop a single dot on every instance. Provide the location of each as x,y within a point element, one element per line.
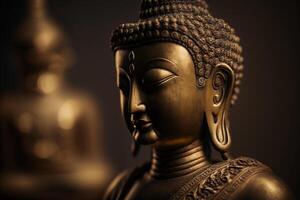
<point>135,100</point>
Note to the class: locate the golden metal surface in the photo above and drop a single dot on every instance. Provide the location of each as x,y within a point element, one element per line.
<point>179,71</point>
<point>52,129</point>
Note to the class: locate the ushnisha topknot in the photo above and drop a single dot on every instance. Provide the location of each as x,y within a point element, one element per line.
<point>209,40</point>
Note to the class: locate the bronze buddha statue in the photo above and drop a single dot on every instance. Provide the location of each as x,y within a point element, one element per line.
<point>179,70</point>
<point>51,131</point>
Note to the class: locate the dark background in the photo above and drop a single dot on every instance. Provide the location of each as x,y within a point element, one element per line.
<point>265,120</point>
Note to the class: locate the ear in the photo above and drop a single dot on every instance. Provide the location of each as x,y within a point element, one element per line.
<point>219,89</point>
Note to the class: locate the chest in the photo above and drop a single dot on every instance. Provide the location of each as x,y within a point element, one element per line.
<point>149,189</point>
<point>42,129</point>
<point>42,117</point>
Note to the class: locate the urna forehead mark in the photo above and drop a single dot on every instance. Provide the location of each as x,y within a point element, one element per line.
<point>131,57</point>
<point>166,55</point>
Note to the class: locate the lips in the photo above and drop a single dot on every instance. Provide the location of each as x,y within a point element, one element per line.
<point>143,132</point>
<point>142,124</point>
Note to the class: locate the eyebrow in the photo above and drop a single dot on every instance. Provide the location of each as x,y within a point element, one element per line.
<point>158,59</point>
<point>123,70</point>
<point>147,64</point>
<point>171,65</point>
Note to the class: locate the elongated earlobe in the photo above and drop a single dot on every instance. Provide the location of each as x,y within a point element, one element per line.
<point>218,95</point>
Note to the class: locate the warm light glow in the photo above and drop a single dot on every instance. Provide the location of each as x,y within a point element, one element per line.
<point>24,122</point>
<point>67,115</point>
<point>89,175</point>
<point>45,149</point>
<point>44,39</point>
<point>270,186</point>
<point>47,82</point>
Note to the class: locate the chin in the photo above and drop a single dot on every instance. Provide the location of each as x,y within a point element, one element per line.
<point>145,137</point>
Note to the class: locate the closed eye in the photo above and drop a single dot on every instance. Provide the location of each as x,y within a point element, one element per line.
<point>155,77</point>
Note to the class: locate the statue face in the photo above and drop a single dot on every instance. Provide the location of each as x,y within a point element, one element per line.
<point>41,47</point>
<point>160,101</point>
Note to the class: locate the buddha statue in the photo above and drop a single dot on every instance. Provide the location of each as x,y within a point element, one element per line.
<point>50,133</point>
<point>179,71</point>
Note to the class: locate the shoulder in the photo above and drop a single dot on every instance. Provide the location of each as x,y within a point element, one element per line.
<point>115,186</point>
<point>263,186</point>
<point>222,179</point>
<point>121,185</point>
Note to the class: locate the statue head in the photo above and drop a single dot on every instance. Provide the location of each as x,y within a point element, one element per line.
<point>40,43</point>
<point>178,70</point>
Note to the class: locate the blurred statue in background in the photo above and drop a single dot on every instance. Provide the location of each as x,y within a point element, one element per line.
<point>49,133</point>
<point>179,70</point>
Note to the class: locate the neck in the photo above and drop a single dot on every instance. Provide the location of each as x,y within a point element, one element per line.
<point>171,163</point>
